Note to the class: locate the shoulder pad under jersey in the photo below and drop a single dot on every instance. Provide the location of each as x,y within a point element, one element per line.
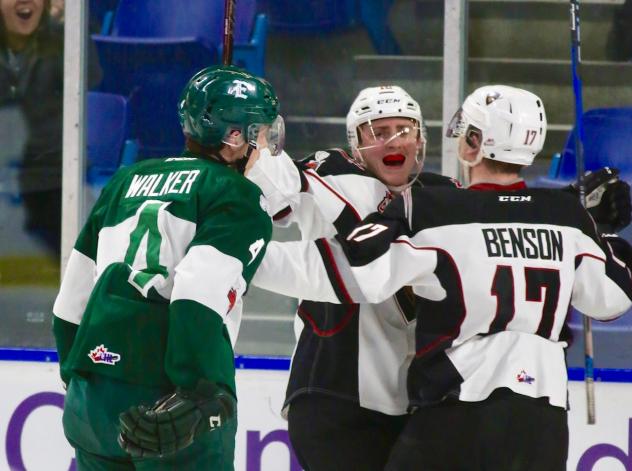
<point>434,179</point>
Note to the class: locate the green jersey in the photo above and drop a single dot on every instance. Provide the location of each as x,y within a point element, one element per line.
<point>155,280</point>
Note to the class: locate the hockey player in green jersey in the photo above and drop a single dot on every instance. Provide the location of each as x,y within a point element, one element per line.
<point>150,303</point>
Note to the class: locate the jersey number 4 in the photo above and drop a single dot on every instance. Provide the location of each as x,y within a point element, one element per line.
<point>535,279</point>
<point>147,225</point>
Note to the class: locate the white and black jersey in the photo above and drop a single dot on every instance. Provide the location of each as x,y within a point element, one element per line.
<point>494,274</point>
<point>357,352</point>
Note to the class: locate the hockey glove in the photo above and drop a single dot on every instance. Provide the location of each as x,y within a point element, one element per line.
<point>619,247</point>
<point>175,421</point>
<point>607,198</point>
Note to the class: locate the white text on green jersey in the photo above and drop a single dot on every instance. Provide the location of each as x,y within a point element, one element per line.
<point>159,184</point>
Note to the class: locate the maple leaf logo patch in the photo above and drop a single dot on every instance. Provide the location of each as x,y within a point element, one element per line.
<point>232,298</point>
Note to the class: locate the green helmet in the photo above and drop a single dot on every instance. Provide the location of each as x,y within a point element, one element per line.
<point>223,99</point>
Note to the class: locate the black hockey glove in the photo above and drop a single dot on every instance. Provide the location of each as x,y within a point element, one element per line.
<point>620,248</point>
<point>607,199</point>
<point>174,421</point>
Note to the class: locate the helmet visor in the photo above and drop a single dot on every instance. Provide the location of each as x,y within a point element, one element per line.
<point>271,136</point>
<point>374,135</point>
<point>258,135</point>
<point>457,125</point>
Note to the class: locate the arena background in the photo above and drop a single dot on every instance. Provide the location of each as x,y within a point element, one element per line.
<point>318,55</point>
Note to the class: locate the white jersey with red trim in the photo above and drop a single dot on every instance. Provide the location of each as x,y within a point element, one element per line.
<point>494,274</point>
<point>357,352</point>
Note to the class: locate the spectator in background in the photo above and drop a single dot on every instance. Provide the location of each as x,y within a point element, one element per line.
<point>32,78</point>
<point>57,10</point>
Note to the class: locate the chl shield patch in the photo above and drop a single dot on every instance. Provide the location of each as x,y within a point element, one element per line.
<point>100,354</point>
<point>523,377</point>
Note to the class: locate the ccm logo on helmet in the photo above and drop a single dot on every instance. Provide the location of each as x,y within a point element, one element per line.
<point>514,199</point>
<point>388,100</point>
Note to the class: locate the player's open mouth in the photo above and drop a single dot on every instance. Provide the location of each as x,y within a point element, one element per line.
<point>394,160</point>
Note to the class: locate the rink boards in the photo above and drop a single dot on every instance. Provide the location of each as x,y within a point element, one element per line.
<point>32,437</point>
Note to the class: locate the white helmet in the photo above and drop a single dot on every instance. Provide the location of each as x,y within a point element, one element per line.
<point>380,102</point>
<point>511,123</point>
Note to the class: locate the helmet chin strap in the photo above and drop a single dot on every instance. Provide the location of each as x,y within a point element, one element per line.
<point>240,164</point>
<point>420,158</point>
<point>357,154</point>
<point>397,189</point>
<point>467,165</point>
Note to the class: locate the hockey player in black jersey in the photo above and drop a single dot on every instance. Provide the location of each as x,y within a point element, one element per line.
<point>494,270</point>
<point>346,398</point>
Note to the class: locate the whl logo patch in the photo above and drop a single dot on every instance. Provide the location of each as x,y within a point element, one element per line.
<point>100,354</point>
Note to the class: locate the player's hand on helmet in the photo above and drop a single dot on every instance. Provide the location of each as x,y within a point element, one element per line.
<point>175,421</point>
<point>607,198</point>
<point>262,143</point>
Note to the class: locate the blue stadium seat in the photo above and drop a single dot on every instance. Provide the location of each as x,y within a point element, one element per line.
<point>108,139</point>
<point>152,73</point>
<point>202,19</point>
<point>374,16</point>
<point>310,16</point>
<point>157,45</point>
<point>607,142</point>
<point>251,55</point>
<point>102,14</point>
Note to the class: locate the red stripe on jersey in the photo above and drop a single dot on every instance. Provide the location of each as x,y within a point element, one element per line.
<point>281,214</point>
<point>580,255</point>
<point>318,178</point>
<point>457,329</point>
<point>334,267</point>
<point>304,182</point>
<point>328,332</point>
<point>343,153</point>
<point>602,260</point>
<point>520,185</point>
<point>505,311</point>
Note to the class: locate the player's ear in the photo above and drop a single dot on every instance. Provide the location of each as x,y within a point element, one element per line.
<point>473,139</point>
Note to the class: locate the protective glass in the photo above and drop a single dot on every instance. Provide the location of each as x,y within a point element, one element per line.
<point>259,135</point>
<point>457,125</point>
<point>273,135</point>
<point>373,135</point>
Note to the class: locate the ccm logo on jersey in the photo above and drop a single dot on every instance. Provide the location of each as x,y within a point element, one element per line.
<point>514,198</point>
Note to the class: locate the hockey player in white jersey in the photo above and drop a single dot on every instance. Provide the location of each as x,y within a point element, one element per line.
<point>494,270</point>
<point>346,394</point>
